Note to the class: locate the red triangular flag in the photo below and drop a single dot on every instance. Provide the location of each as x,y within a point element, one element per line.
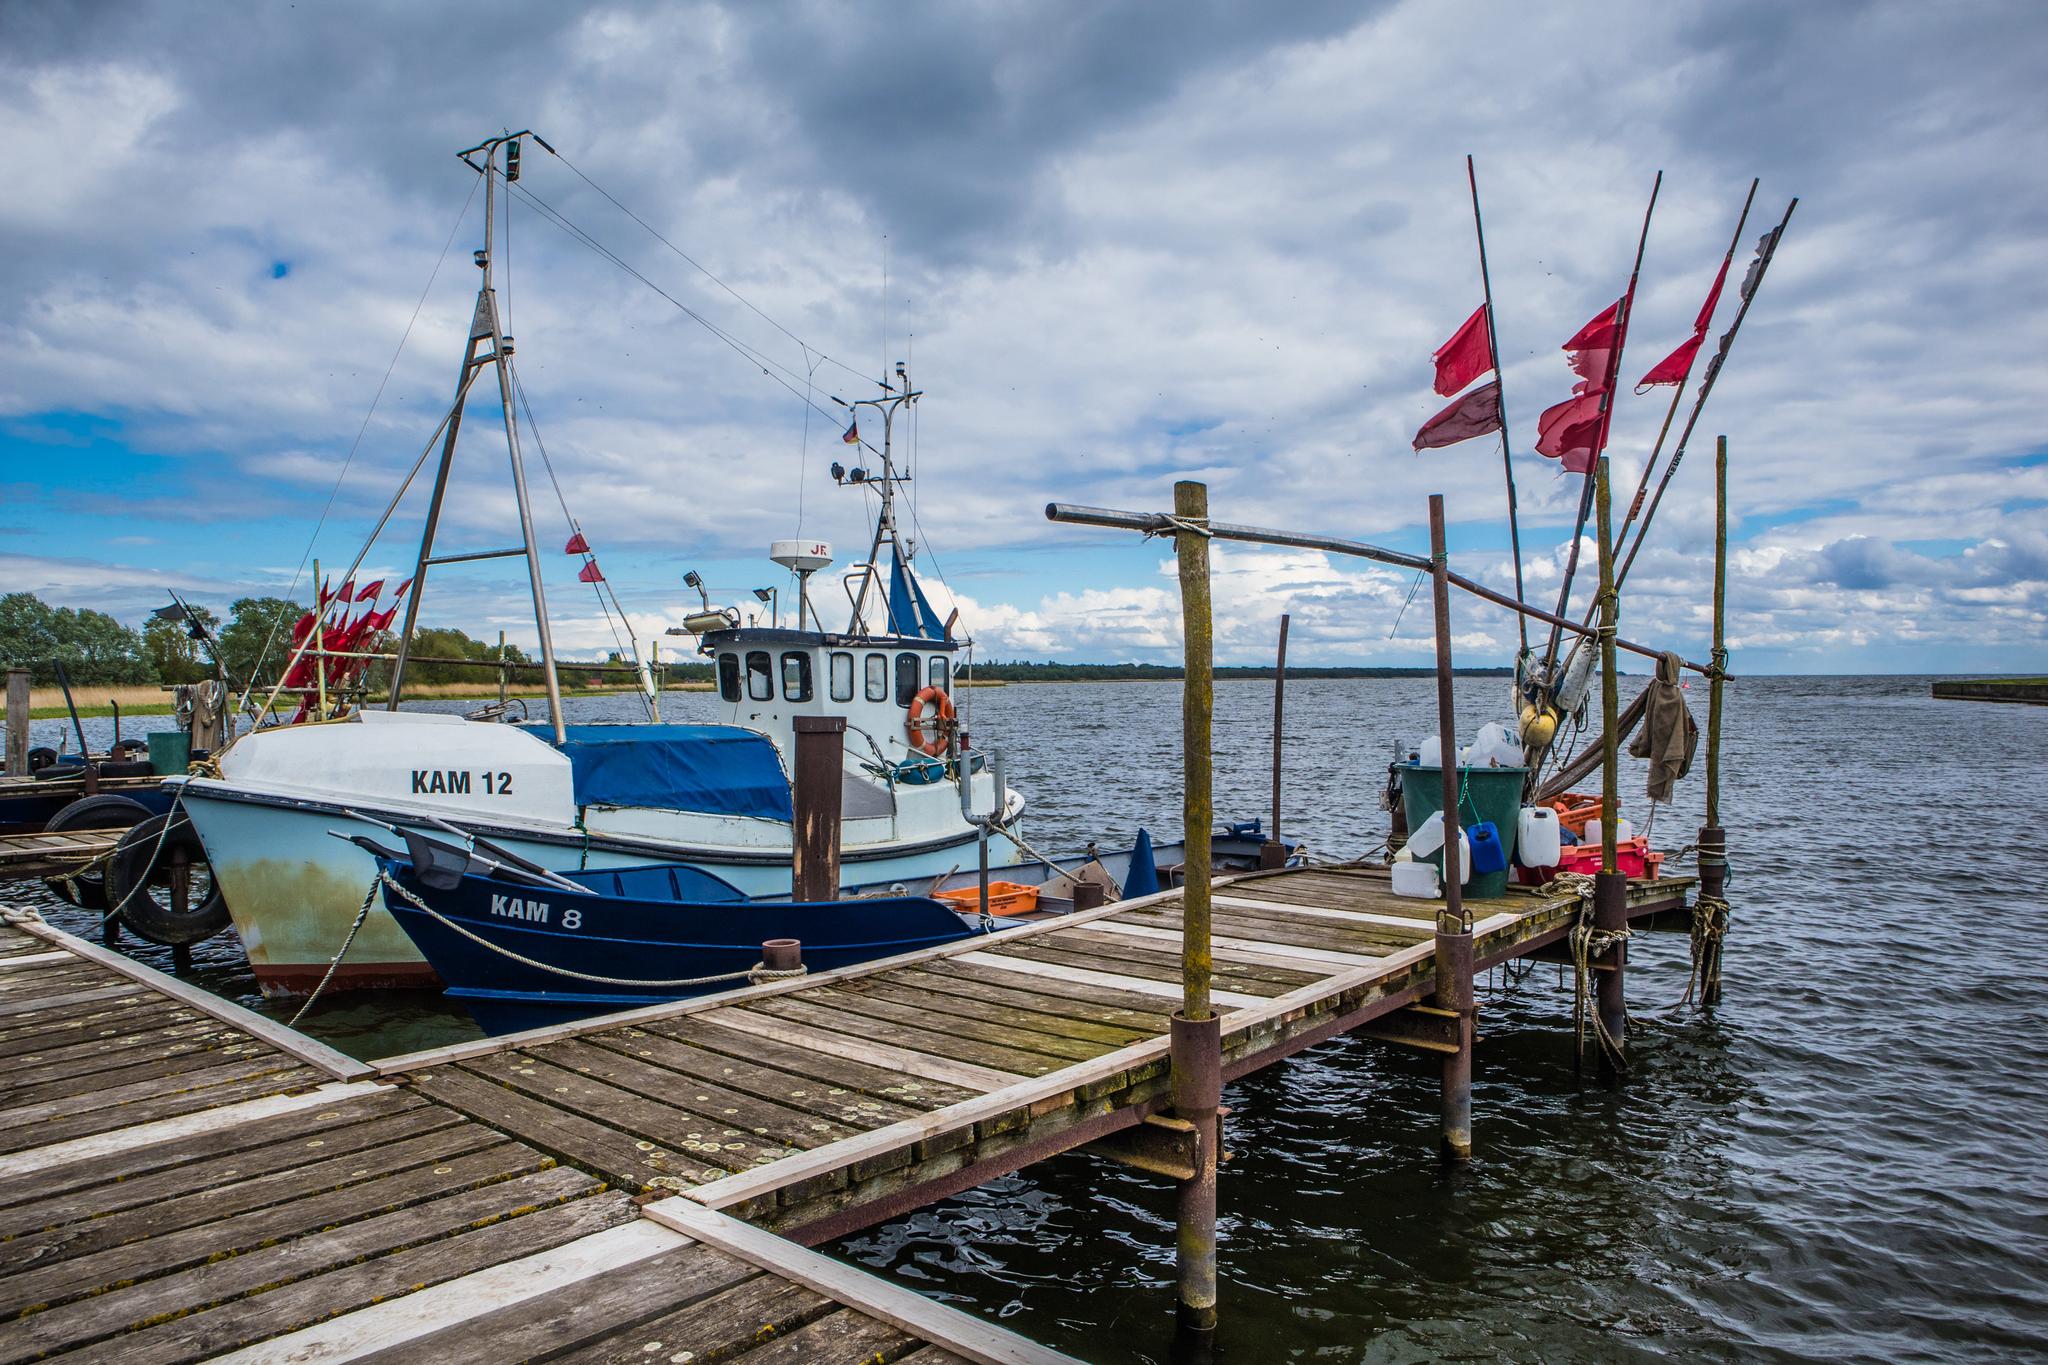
<point>347,593</point>
<point>402,586</point>
<point>368,592</point>
<point>1601,331</point>
<point>1475,414</point>
<point>1466,356</point>
<point>1676,368</point>
<point>589,574</point>
<point>577,545</point>
<point>1568,430</point>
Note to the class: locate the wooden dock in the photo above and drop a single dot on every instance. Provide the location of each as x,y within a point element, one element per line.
<point>51,855</point>
<point>182,1180</point>
<point>820,1105</point>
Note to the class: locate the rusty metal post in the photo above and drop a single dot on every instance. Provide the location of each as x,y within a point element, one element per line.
<point>782,954</point>
<point>17,722</point>
<point>1713,836</point>
<point>1197,1034</point>
<point>1273,853</point>
<point>1088,895</point>
<point>1454,992</point>
<point>817,795</point>
<point>1453,922</point>
<point>1446,714</point>
<point>1610,887</point>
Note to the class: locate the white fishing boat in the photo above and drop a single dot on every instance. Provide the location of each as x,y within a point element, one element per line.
<point>916,802</point>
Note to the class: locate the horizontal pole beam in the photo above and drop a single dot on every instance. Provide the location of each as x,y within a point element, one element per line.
<point>1159,523</point>
<point>465,663</point>
<point>516,551</point>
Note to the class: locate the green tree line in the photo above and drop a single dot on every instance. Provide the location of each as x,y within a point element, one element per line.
<point>254,641</point>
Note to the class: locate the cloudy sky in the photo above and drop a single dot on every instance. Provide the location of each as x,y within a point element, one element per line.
<point>1124,243</point>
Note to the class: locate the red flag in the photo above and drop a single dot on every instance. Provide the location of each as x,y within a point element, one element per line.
<point>347,593</point>
<point>402,586</point>
<point>1676,368</point>
<point>1574,430</point>
<point>368,592</point>
<point>1475,414</point>
<point>1466,356</point>
<point>590,574</point>
<point>577,545</point>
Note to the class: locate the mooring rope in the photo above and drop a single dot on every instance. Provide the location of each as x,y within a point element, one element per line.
<point>362,913</point>
<point>1588,943</point>
<point>756,974</point>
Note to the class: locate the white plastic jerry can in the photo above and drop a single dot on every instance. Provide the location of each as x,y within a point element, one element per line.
<point>1538,840</point>
<point>1415,879</point>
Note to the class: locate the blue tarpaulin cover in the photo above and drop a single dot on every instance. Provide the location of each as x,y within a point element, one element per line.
<point>716,769</point>
<point>910,611</point>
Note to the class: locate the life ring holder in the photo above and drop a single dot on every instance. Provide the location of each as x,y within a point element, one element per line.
<point>928,737</point>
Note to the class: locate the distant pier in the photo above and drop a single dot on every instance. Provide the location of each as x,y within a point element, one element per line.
<point>2027,690</point>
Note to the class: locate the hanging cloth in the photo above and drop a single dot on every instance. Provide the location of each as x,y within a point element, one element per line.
<point>910,611</point>
<point>1669,735</point>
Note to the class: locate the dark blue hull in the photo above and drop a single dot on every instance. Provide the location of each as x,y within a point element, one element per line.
<point>26,807</point>
<point>643,942</point>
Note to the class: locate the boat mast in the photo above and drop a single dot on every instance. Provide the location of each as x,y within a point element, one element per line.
<point>901,395</point>
<point>484,327</point>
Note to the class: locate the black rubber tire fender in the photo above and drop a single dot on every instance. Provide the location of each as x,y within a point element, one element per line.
<point>127,767</point>
<point>41,757</point>
<point>106,811</point>
<point>141,864</point>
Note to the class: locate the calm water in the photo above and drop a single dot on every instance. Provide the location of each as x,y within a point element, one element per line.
<point>1846,1162</point>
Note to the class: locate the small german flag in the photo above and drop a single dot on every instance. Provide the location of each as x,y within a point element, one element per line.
<point>852,433</point>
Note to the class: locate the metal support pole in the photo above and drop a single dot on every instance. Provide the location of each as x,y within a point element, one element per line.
<point>1197,1034</point>
<point>1446,713</point>
<point>1610,887</point>
<point>504,675</point>
<point>817,794</point>
<point>319,643</point>
<point>1454,992</point>
<point>17,722</point>
<point>1273,853</point>
<point>782,954</point>
<point>1713,836</point>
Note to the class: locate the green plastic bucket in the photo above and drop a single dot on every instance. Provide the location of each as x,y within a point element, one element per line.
<point>1486,794</point>
<point>170,752</point>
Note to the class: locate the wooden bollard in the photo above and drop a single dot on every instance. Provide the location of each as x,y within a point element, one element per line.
<point>17,722</point>
<point>817,797</point>
<point>1088,895</point>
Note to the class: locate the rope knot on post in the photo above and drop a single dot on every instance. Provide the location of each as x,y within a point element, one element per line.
<point>1588,943</point>
<point>1177,525</point>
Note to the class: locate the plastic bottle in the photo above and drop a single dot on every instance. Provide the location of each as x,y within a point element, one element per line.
<point>1428,836</point>
<point>1416,879</point>
<point>1623,830</point>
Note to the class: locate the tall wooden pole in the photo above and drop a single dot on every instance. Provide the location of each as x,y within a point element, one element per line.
<point>1273,853</point>
<point>17,722</point>
<point>1507,462</point>
<point>1610,886</point>
<point>1713,838</point>
<point>1454,922</point>
<point>1197,1033</point>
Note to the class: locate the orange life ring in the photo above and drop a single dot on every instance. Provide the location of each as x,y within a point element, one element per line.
<point>915,725</point>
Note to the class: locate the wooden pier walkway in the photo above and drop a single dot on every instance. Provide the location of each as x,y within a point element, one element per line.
<point>48,854</point>
<point>181,1179</point>
<point>820,1105</point>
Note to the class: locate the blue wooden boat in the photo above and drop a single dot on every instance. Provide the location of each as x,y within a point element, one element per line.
<point>520,952</point>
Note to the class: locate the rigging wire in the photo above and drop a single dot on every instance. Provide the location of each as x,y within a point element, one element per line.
<point>356,444</point>
<point>699,266</point>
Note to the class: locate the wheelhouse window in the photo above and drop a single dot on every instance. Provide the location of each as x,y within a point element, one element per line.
<point>842,676</point>
<point>906,678</point>
<point>729,676</point>
<point>796,676</point>
<point>935,672</point>
<point>760,676</point>
<point>878,677</point>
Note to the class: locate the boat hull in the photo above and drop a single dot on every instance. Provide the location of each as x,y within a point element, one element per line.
<point>293,890</point>
<point>652,951</point>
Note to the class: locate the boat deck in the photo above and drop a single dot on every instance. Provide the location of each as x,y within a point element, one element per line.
<point>820,1105</point>
<point>183,1180</point>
